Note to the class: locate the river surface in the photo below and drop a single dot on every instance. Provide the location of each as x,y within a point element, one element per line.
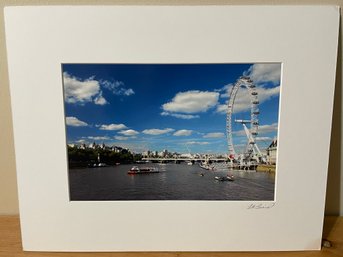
<point>174,182</point>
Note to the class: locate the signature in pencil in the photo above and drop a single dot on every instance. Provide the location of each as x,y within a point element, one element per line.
<point>258,206</point>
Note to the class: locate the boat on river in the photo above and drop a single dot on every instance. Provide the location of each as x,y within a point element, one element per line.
<point>224,178</point>
<point>206,166</point>
<point>135,170</point>
<point>97,165</point>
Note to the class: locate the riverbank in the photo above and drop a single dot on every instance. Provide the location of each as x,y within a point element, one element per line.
<point>266,168</point>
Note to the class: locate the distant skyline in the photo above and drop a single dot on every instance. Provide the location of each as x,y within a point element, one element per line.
<point>179,107</point>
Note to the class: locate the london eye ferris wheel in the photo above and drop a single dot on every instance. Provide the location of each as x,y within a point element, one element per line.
<point>251,152</point>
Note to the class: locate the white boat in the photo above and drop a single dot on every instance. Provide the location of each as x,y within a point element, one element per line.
<point>143,170</point>
<point>206,166</point>
<point>223,178</point>
<point>189,163</point>
<point>98,165</point>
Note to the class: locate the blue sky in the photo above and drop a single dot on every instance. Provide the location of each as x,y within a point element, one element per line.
<point>179,107</point>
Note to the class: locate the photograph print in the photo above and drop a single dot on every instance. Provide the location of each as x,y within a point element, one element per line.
<point>172,131</point>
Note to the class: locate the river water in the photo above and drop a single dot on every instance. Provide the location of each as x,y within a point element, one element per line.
<point>174,182</point>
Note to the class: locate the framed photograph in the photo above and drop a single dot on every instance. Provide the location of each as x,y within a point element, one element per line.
<point>207,124</point>
<point>184,128</point>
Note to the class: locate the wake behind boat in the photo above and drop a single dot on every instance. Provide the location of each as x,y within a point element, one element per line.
<point>135,170</point>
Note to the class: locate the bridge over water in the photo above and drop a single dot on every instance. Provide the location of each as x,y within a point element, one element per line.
<point>153,159</point>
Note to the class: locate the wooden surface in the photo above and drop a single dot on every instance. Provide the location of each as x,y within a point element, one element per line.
<point>10,244</point>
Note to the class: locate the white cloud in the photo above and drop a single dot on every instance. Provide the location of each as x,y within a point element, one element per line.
<point>263,129</point>
<point>112,127</point>
<point>263,139</point>
<point>129,132</point>
<point>181,116</point>
<point>226,89</point>
<point>183,132</point>
<point>117,87</point>
<point>75,122</point>
<point>265,72</point>
<point>128,92</point>
<point>221,108</point>
<point>242,100</point>
<point>82,91</point>
<point>100,100</point>
<point>214,135</point>
<point>157,131</point>
<point>259,73</point>
<point>88,90</point>
<point>267,128</point>
<point>98,138</point>
<point>197,143</point>
<point>192,102</point>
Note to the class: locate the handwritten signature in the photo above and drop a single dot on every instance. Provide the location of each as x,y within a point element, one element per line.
<point>258,206</point>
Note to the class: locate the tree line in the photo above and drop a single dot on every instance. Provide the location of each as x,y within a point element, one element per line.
<point>78,158</point>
